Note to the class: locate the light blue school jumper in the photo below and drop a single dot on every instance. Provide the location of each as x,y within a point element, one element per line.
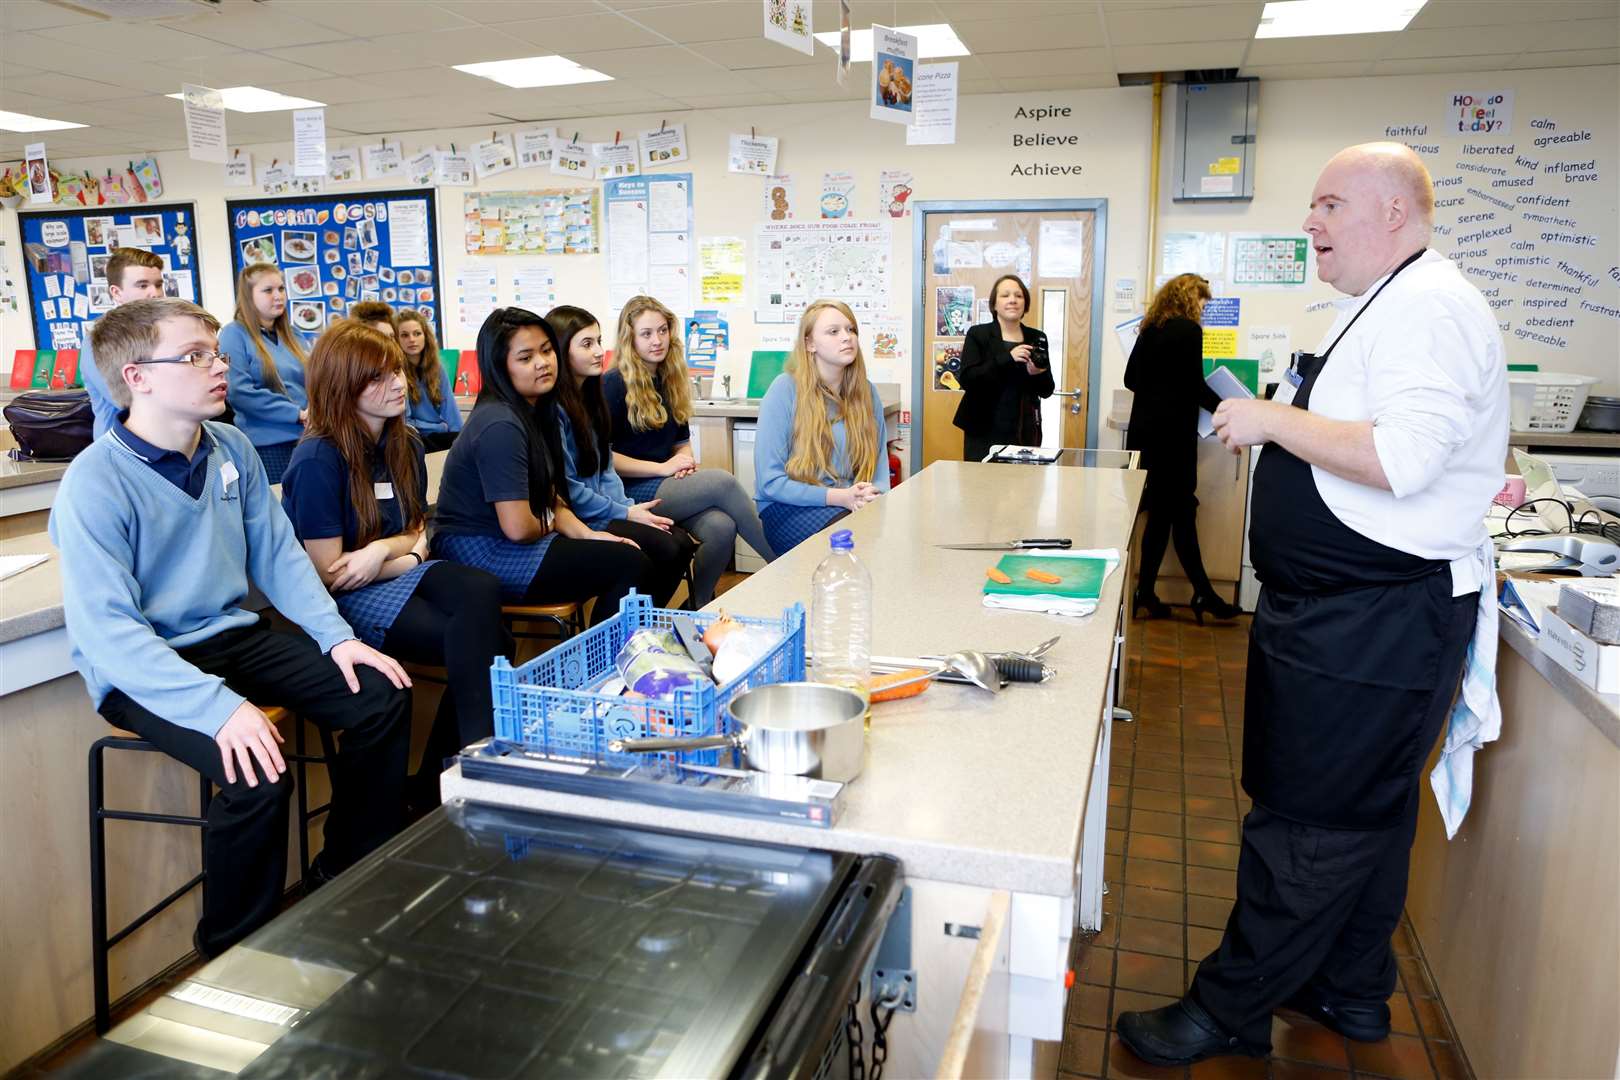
<point>429,418</point>
<point>792,510</point>
<point>147,569</point>
<point>101,402</point>
<point>266,417</point>
<point>595,500</point>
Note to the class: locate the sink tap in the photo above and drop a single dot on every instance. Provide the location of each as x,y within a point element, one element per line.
<point>725,381</point>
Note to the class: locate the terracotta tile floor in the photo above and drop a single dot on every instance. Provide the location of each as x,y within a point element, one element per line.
<point>1174,807</point>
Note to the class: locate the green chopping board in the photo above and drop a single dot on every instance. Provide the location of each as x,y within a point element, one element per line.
<point>1082,577</point>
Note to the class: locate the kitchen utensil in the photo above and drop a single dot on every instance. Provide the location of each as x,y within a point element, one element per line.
<point>802,729</point>
<point>1600,413</point>
<point>979,669</point>
<point>1013,545</point>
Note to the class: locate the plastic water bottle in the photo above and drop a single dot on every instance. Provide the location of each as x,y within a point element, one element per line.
<point>841,618</point>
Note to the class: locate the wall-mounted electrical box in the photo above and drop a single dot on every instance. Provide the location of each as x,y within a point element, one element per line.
<point>1215,140</point>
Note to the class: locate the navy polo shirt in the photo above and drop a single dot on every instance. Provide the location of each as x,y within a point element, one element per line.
<point>189,475</point>
<point>315,492</point>
<point>656,445</point>
<point>488,463</point>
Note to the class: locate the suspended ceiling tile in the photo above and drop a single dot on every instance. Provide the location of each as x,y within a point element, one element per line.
<point>495,12</point>
<point>1454,41</point>
<point>1328,50</point>
<point>19,15</point>
<point>1571,58</point>
<point>351,57</point>
<point>732,101</point>
<point>645,62</point>
<point>695,84</point>
<point>1580,34</point>
<point>72,88</point>
<point>131,39</point>
<point>718,20</point>
<point>1017,35</point>
<point>741,54</point>
<point>581,33</point>
<point>1495,12</point>
<point>471,46</point>
<point>246,69</point>
<point>955,11</point>
<point>1436,65</point>
<point>865,13</point>
<point>1185,57</point>
<point>343,91</point>
<point>255,26</point>
<point>374,16</point>
<point>1048,62</point>
<point>1203,22</point>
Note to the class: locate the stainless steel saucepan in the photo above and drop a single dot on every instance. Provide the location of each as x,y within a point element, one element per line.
<point>800,729</point>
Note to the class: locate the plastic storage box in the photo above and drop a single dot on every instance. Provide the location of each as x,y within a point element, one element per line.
<point>547,704</point>
<point>1547,401</point>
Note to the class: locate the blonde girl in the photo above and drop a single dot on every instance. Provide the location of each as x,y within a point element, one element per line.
<point>822,451</point>
<point>433,410</point>
<point>649,407</point>
<point>267,367</point>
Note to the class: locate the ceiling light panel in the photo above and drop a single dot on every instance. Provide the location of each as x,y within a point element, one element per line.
<point>933,40</point>
<point>531,71</point>
<point>1317,18</point>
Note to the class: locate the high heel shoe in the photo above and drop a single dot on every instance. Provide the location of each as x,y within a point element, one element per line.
<point>1155,608</point>
<point>1218,609</point>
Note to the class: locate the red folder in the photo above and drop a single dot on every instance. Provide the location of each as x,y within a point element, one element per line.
<point>65,372</point>
<point>467,381</point>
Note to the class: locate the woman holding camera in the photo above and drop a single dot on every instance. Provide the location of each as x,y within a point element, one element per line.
<point>1005,374</point>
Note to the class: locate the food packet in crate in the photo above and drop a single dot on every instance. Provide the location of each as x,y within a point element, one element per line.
<point>654,664</point>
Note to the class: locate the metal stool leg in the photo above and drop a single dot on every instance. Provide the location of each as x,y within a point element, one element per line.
<point>98,892</point>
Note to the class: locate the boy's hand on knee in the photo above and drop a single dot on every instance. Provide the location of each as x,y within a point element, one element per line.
<point>347,654</point>
<point>246,735</point>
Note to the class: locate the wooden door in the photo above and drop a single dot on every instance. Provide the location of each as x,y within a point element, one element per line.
<point>963,253</point>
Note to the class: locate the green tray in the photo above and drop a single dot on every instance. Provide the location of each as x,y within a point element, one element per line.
<point>1082,576</point>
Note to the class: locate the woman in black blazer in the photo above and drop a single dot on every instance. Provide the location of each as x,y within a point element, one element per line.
<point>1166,373</point>
<point>1005,373</point>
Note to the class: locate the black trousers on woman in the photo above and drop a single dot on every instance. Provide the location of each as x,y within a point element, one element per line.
<point>454,619</point>
<point>1167,518</point>
<point>576,570</point>
<point>670,554</point>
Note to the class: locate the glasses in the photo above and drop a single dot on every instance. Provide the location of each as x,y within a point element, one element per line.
<point>202,358</point>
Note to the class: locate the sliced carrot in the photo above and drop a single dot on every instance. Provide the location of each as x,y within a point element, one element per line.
<point>875,685</point>
<point>996,575</point>
<point>1043,576</point>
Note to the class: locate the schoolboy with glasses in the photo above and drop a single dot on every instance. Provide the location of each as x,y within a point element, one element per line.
<point>160,526</point>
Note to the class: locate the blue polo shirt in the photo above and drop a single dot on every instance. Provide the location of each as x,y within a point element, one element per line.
<point>487,464</point>
<point>315,492</point>
<point>657,444</point>
<point>189,475</point>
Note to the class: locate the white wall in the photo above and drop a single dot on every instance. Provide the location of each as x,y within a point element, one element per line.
<point>1301,124</point>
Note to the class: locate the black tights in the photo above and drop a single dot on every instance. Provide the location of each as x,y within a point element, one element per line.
<point>669,553</point>
<point>1180,519</point>
<point>576,570</point>
<point>454,619</point>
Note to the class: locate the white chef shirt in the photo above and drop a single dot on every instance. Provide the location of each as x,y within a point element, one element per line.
<point>1426,365</point>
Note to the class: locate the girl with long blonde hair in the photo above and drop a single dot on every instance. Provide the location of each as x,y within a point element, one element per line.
<point>433,410</point>
<point>822,452</point>
<point>1166,374</point>
<point>649,405</point>
<point>356,494</point>
<point>267,367</point>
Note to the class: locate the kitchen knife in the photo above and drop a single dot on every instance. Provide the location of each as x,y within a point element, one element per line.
<point>1012,545</point>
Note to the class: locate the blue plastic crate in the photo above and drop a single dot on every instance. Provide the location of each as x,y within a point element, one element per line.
<point>543,703</point>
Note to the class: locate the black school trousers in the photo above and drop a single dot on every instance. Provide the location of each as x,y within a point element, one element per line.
<point>1317,907</point>
<point>245,844</point>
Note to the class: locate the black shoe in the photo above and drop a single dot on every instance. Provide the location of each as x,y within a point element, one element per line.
<point>1178,1034</point>
<point>1218,609</point>
<point>1354,1020</point>
<point>1155,608</point>
<point>318,875</point>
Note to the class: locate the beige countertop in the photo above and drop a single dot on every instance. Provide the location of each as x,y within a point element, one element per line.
<point>30,602</point>
<point>748,408</point>
<point>1574,440</point>
<point>22,473</point>
<point>960,786</point>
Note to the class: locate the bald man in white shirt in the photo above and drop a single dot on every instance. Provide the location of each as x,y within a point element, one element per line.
<point>1381,456</point>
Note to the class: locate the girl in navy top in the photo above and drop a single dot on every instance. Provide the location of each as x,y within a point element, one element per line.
<point>650,403</point>
<point>267,367</point>
<point>503,502</point>
<point>356,492</point>
<point>594,489</point>
<point>433,410</point>
<point>821,450</point>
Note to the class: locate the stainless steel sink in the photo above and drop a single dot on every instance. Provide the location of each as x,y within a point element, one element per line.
<point>726,402</point>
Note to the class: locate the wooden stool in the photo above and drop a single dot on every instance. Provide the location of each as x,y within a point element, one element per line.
<point>102,942</point>
<point>566,619</point>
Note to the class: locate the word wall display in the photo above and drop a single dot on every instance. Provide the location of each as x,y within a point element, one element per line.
<point>337,250</point>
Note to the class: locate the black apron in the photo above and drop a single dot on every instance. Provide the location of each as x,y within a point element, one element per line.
<point>1345,652</point>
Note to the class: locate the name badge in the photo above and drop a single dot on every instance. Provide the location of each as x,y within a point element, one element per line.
<point>228,474</point>
<point>384,492</point>
<point>1294,378</point>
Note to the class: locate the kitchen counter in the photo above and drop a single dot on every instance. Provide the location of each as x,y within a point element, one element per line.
<point>1573,440</point>
<point>747,408</point>
<point>1603,710</point>
<point>961,786</point>
<point>30,602</point>
<point>15,474</point>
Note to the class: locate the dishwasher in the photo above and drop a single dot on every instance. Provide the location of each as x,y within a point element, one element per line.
<point>494,942</point>
<point>744,436</point>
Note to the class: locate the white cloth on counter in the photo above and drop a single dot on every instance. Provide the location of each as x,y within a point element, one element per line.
<point>1425,365</point>
<point>1476,718</point>
<point>1050,603</point>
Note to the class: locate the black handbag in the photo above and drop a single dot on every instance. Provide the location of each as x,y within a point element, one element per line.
<point>50,425</point>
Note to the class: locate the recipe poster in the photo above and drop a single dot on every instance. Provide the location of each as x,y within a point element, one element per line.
<point>894,64</point>
<point>337,250</point>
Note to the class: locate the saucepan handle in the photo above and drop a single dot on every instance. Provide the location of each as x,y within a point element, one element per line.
<point>653,746</point>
